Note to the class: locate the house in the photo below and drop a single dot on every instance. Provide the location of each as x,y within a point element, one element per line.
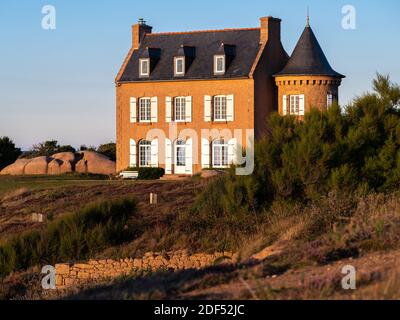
<point>188,101</point>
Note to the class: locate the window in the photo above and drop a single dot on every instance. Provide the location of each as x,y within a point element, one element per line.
<point>294,105</point>
<point>180,109</point>
<point>329,100</point>
<point>220,108</point>
<point>181,153</point>
<point>145,153</point>
<point>144,67</point>
<point>180,66</point>
<point>144,110</point>
<point>220,154</point>
<point>219,64</point>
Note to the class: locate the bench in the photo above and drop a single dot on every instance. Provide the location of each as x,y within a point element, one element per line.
<point>129,174</point>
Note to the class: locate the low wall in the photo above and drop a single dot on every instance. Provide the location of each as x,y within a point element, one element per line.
<point>74,274</point>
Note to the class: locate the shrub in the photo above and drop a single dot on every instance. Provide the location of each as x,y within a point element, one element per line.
<point>146,173</point>
<point>74,237</point>
<point>109,150</point>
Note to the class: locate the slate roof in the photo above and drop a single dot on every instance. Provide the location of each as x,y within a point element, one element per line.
<point>308,58</point>
<point>207,44</point>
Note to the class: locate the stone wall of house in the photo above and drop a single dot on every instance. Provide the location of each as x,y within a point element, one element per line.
<point>95,270</point>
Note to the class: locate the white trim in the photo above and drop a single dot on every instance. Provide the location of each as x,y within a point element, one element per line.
<point>168,109</point>
<point>140,110</point>
<point>205,153</point>
<point>301,105</point>
<point>168,156</point>
<point>182,73</point>
<point>189,156</point>
<point>232,151</point>
<point>132,153</point>
<point>214,109</point>
<point>154,110</point>
<point>133,108</point>
<point>188,109</point>
<point>141,73</point>
<point>230,108</point>
<point>224,148</point>
<point>207,108</point>
<point>329,100</point>
<point>216,58</point>
<point>154,153</point>
<point>182,119</point>
<point>284,105</point>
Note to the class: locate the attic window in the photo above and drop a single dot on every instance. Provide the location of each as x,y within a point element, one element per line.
<point>219,64</point>
<point>179,66</point>
<point>144,67</point>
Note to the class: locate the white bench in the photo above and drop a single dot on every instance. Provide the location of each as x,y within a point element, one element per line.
<point>129,174</point>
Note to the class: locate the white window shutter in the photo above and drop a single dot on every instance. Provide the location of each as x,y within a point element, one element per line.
<point>154,153</point>
<point>168,109</point>
<point>207,108</point>
<point>154,109</point>
<point>205,153</point>
<point>132,153</point>
<point>301,105</point>
<point>188,109</point>
<point>232,149</point>
<point>133,109</point>
<point>284,105</point>
<point>189,156</point>
<point>329,100</point>
<point>230,108</point>
<point>168,156</point>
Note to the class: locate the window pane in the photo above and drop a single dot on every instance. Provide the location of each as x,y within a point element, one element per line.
<point>220,108</point>
<point>220,154</point>
<point>145,154</point>
<point>145,109</point>
<point>179,66</point>
<point>180,109</point>
<point>145,67</point>
<point>220,64</point>
<point>181,153</point>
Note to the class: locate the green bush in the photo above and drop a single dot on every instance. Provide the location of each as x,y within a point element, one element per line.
<point>146,173</point>
<point>76,236</point>
<point>355,150</point>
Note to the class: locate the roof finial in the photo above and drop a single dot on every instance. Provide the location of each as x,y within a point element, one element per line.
<point>308,17</point>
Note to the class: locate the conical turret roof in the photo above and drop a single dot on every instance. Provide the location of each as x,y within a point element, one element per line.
<point>308,58</point>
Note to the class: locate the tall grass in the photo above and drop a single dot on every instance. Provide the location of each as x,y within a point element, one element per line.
<point>74,237</point>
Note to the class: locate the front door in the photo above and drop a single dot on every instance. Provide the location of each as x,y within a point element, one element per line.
<point>180,157</point>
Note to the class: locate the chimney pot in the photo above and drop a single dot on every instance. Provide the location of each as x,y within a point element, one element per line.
<point>139,31</point>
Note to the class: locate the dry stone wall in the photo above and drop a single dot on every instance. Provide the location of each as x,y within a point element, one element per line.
<point>96,270</point>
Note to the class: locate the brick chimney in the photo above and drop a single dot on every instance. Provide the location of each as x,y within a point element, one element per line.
<point>139,30</point>
<point>270,29</point>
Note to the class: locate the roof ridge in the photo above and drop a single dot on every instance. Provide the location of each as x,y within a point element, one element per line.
<point>202,31</point>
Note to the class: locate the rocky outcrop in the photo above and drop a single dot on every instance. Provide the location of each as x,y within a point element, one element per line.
<point>17,168</point>
<point>96,270</point>
<point>61,163</point>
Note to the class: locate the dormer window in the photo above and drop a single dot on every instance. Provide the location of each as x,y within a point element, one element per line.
<point>144,67</point>
<point>148,59</point>
<point>179,66</point>
<point>219,64</point>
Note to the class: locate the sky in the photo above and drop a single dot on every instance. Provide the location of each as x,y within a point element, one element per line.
<point>59,84</point>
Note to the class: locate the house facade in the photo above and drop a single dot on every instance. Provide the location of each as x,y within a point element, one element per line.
<point>188,101</point>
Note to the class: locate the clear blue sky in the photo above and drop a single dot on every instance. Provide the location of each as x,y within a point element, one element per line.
<point>60,84</point>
